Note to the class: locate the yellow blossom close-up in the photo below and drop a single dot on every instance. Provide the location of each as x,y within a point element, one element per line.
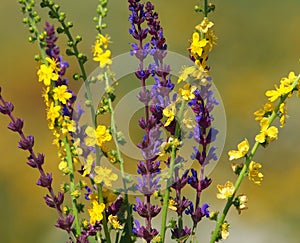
<point>187,92</point>
<point>197,45</point>
<point>267,134</point>
<point>98,136</point>
<point>204,26</point>
<point>243,149</point>
<point>96,212</point>
<point>104,176</point>
<point>225,191</point>
<point>61,94</point>
<point>113,220</point>
<point>253,174</point>
<point>47,74</point>
<point>169,112</point>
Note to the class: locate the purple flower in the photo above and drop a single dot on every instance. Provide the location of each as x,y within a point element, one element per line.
<point>45,180</point>
<point>16,125</point>
<point>65,224</point>
<point>144,233</point>
<point>184,234</point>
<point>7,108</point>
<point>26,143</point>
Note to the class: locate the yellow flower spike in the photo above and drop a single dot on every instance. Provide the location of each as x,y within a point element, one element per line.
<point>96,212</point>
<point>104,176</point>
<point>187,92</point>
<point>225,191</point>
<point>253,174</point>
<point>243,149</point>
<point>169,112</point>
<point>224,230</point>
<point>113,220</point>
<point>205,25</point>
<point>197,45</point>
<point>46,74</point>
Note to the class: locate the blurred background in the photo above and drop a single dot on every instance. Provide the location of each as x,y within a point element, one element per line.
<point>259,42</point>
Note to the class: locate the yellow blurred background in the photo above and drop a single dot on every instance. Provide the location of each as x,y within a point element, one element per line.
<point>259,42</point>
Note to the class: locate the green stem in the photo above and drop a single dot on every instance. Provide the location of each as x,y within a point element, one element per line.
<point>241,176</point>
<point>205,8</point>
<point>119,156</point>
<point>72,184</point>
<point>104,220</point>
<point>170,174</point>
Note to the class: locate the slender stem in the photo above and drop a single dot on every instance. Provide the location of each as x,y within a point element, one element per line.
<point>170,174</point>
<point>105,227</point>
<point>241,176</point>
<point>205,8</point>
<point>72,184</point>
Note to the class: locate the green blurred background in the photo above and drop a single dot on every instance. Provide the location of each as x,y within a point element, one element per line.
<point>259,42</point>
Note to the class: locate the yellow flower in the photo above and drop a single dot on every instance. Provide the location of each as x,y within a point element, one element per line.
<point>243,149</point>
<point>53,64</point>
<point>103,58</point>
<point>61,94</point>
<point>267,134</point>
<point>53,112</point>
<point>104,176</point>
<point>283,114</point>
<point>278,92</point>
<point>113,220</point>
<point>242,200</point>
<point>187,92</point>
<point>98,136</point>
<point>46,74</point>
<point>169,112</point>
<point>204,25</point>
<point>68,125</point>
<point>156,239</point>
<point>289,80</point>
<point>172,205</point>
<point>96,212</point>
<point>253,174</point>
<point>185,73</point>
<point>75,194</point>
<point>88,164</point>
<point>63,166</point>
<point>197,45</point>
<point>224,231</point>
<point>225,191</point>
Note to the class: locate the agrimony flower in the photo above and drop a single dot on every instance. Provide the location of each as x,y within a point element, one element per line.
<point>267,134</point>
<point>204,26</point>
<point>61,94</point>
<point>97,136</point>
<point>46,74</point>
<point>96,212</point>
<point>104,176</point>
<point>225,191</point>
<point>169,112</point>
<point>243,149</point>
<point>187,92</point>
<point>253,174</point>
<point>113,220</point>
<point>224,230</point>
<point>197,45</point>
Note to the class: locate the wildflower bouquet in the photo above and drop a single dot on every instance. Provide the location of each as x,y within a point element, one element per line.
<point>179,138</point>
